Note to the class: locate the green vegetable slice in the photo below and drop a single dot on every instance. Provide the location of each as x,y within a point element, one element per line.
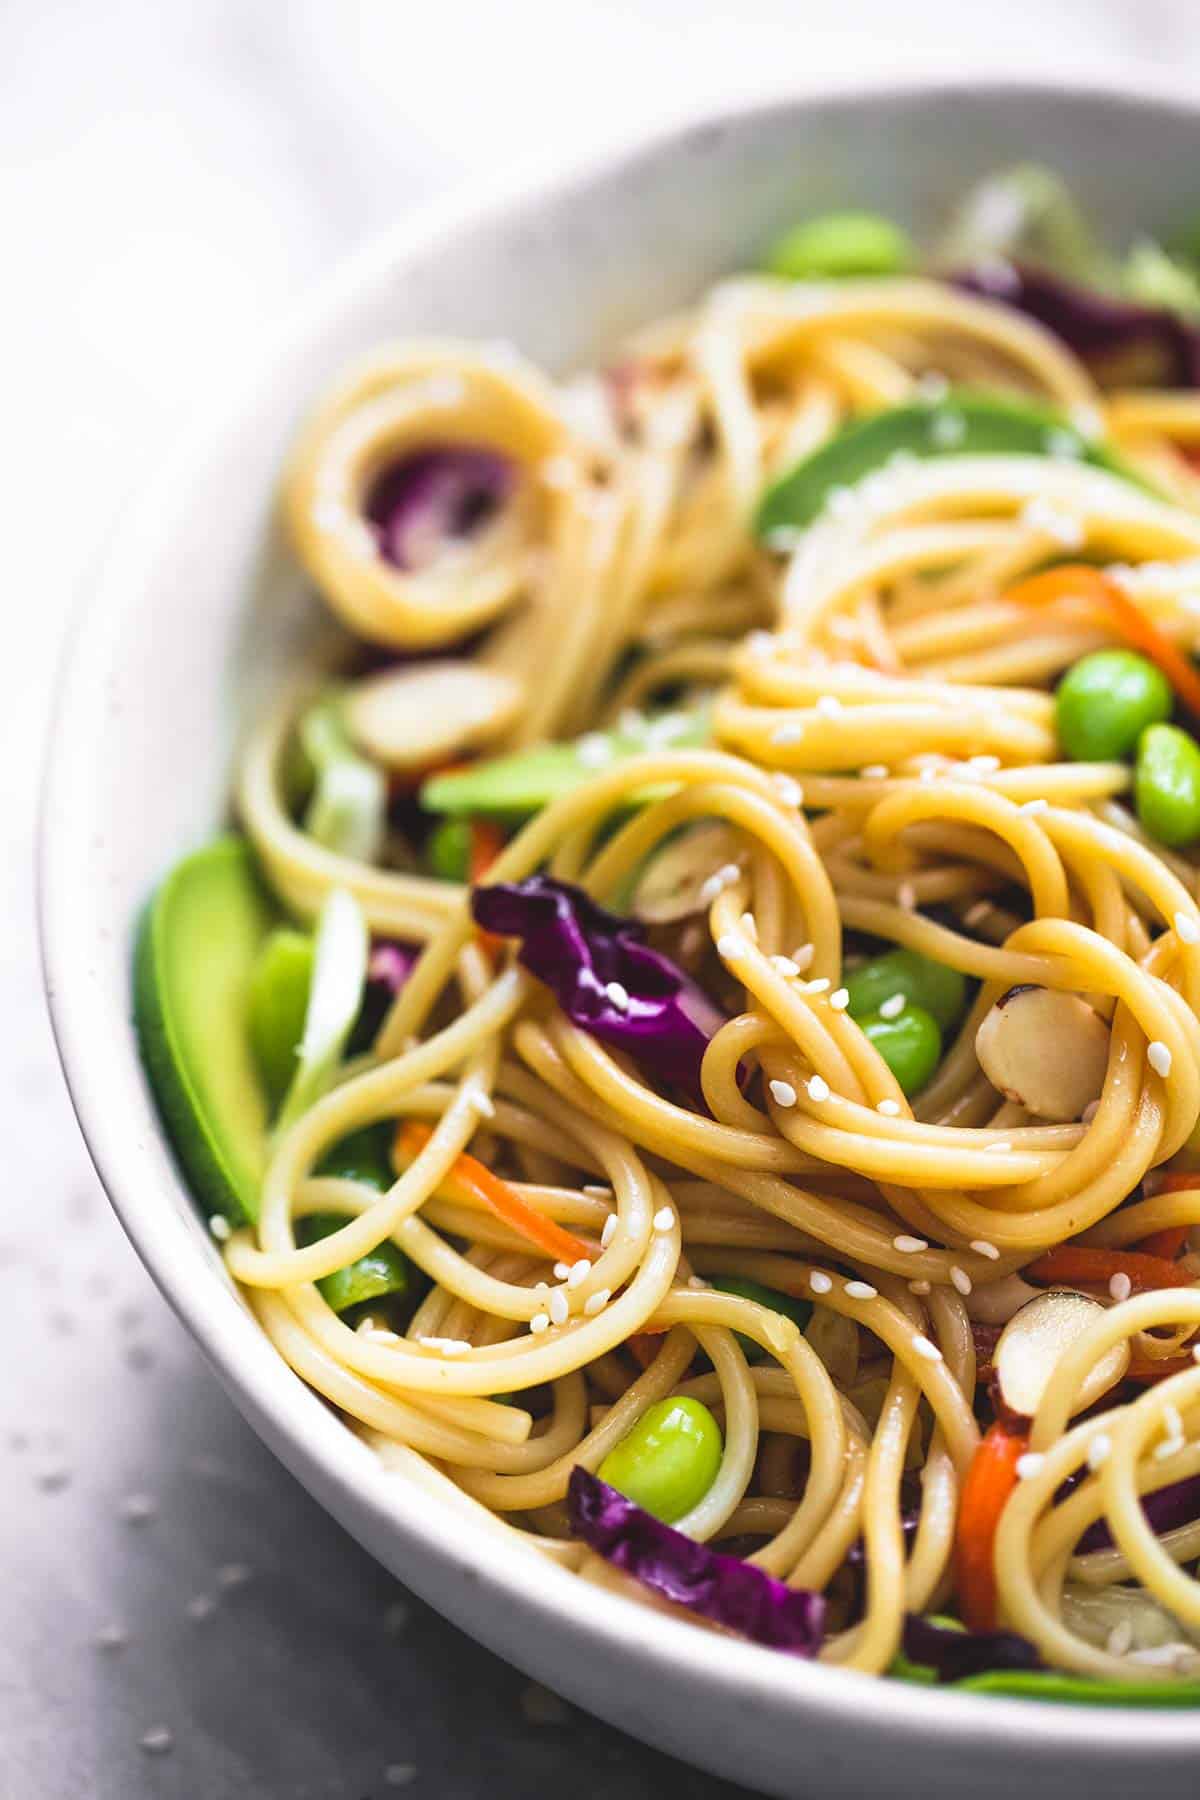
<point>965,423</point>
<point>835,245</point>
<point>198,944</point>
<point>800,1311</point>
<point>381,1272</point>
<point>278,1001</point>
<point>515,786</point>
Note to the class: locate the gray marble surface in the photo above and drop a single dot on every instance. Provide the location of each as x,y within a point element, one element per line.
<point>179,1620</point>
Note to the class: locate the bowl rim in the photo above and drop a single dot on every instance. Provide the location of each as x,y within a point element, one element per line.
<point>303,1432</point>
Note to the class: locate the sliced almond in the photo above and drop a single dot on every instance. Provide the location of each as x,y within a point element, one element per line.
<point>1035,1339</point>
<point>676,883</point>
<point>421,714</point>
<point>1045,1049</point>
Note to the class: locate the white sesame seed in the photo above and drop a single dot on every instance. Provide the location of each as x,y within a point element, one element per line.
<point>1187,928</point>
<point>730,946</point>
<point>861,1290</point>
<point>1159,1058</point>
<point>819,1282</point>
<point>749,925</point>
<point>918,1287</point>
<point>828,705</point>
<point>1120,1286</point>
<point>961,1280</point>
<point>783,965</point>
<point>559,1308</point>
<point>1099,1449</point>
<point>540,1322</point>
<point>906,896</point>
<point>802,956</point>
<point>664,1219</point>
<point>818,1088</point>
<point>789,791</point>
<point>925,1348</point>
<point>1063,446</point>
<point>597,1302</point>
<point>985,765</point>
<point>1196,1353</point>
<point>889,1108</point>
<point>594,750</point>
<point>1035,806</point>
<point>893,1006</point>
<point>618,993</point>
<point>909,1245</point>
<point>157,1741</point>
<point>981,1247</point>
<point>790,732</point>
<point>782,1092</point>
<point>561,1271</point>
<point>931,387</point>
<point>977,913</point>
<point>1029,1465</point>
<point>447,1345</point>
<point>579,1271</point>
<point>609,1231</point>
<point>697,1282</point>
<point>839,1000</point>
<point>1120,1637</point>
<point>1172,1421</point>
<point>947,430</point>
<point>1168,1447</point>
<point>220,1227</point>
<point>874,772</point>
<point>1087,420</point>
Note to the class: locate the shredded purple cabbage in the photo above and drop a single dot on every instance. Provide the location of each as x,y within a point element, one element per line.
<point>954,1654</point>
<point>1167,1507</point>
<point>447,491</point>
<point>723,1589</point>
<point>391,963</point>
<point>1094,325</point>
<point>606,979</point>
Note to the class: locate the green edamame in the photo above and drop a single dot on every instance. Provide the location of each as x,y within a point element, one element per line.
<point>668,1462</point>
<point>839,244</point>
<point>910,1045</point>
<point>1106,701</point>
<point>448,849</point>
<point>942,992</point>
<point>799,1311</point>
<point>1167,785</point>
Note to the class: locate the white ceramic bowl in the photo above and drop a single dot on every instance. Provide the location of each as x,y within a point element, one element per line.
<point>197,609</point>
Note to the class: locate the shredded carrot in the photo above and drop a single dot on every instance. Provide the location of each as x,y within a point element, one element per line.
<point>1166,1243</point>
<point>1075,1263</point>
<point>645,1346</point>
<point>1112,607</point>
<point>1175,1181</point>
<point>471,1183</point>
<point>487,841</point>
<point>990,1480</point>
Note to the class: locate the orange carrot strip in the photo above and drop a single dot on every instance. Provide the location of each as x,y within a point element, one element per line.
<point>487,841</point>
<point>1073,1263</point>
<point>1114,608</point>
<point>1176,1181</point>
<point>990,1480</point>
<point>1166,1243</point>
<point>470,1182</point>
<point>645,1346</point>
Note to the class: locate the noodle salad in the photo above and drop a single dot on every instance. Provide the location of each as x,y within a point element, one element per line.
<point>692,1045</point>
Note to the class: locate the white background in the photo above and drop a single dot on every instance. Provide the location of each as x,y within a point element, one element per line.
<point>172,174</point>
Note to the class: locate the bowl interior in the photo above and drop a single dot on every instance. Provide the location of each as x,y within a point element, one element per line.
<point>199,612</point>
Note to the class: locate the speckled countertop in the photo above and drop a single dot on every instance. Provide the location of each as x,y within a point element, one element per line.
<point>179,1620</point>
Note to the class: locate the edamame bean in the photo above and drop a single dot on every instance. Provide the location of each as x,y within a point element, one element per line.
<point>1106,701</point>
<point>1167,785</point>
<point>910,1045</point>
<point>840,244</point>
<point>940,991</point>
<point>448,849</point>
<point>800,1311</point>
<point>668,1462</point>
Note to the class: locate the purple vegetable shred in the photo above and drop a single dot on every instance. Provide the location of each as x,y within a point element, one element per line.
<point>439,494</point>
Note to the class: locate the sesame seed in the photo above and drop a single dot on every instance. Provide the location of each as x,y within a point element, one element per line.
<point>984,765</point>
<point>1035,806</point>
<point>729,946</point>
<point>906,896</point>
<point>1168,1447</point>
<point>981,1247</point>
<point>597,1302</point>
<point>594,750</point>
<point>977,913</point>
<point>918,1287</point>
<point>561,1271</point>
<point>925,1348</point>
<point>947,429</point>
<point>1187,928</point>
<point>447,1346</point>
<point>789,791</point>
<point>157,1741</point>
<point>1159,1058</point>
<point>664,1219</point>
<point>889,1108</point>
<point>861,1290</point>
<point>1099,1449</point>
<point>579,1271</point>
<point>749,925</point>
<point>782,1092</point>
<point>828,705</point>
<point>818,1088</point>
<point>893,1006</point>
<point>839,1000</point>
<point>558,1307</point>
<point>609,1231</point>
<point>783,965</point>
<point>819,986</point>
<point>909,1245</point>
<point>1120,1637</point>
<point>540,1322</point>
<point>874,772</point>
<point>1172,1421</point>
<point>789,733</point>
<point>220,1227</point>
<point>1196,1353</point>
<point>618,993</point>
<point>698,1282</point>
<point>802,956</point>
<point>1120,1286</point>
<point>819,1282</point>
<point>961,1280</point>
<point>1029,1465</point>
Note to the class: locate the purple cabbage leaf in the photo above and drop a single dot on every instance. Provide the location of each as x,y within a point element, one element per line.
<point>954,1653</point>
<point>1166,1508</point>
<point>607,980</point>
<point>723,1589</point>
